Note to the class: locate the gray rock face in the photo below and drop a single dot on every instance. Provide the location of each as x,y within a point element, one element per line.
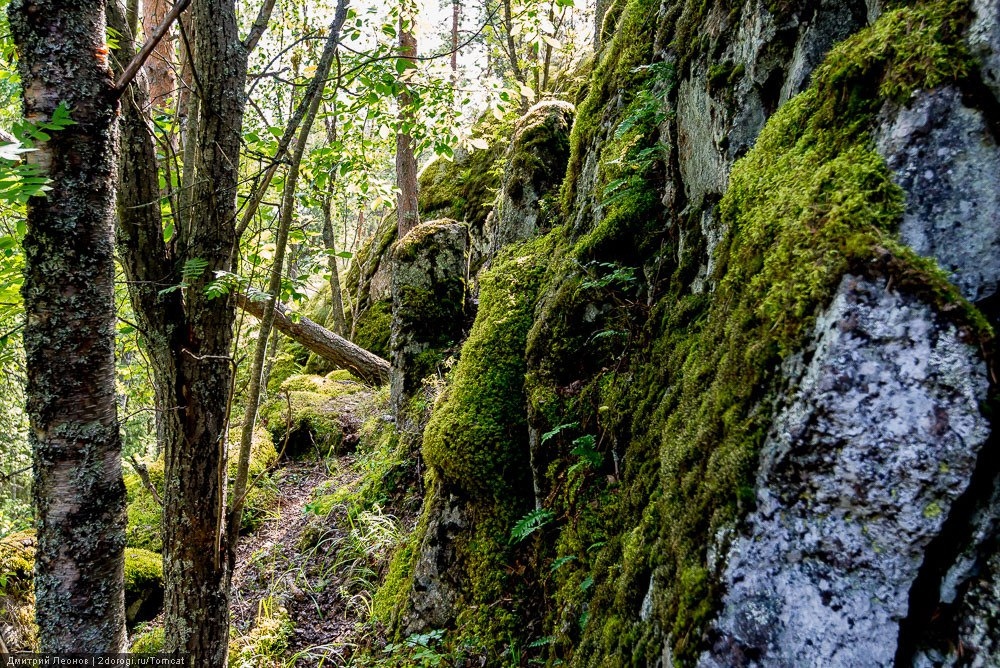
<point>877,439</point>
<point>943,155</point>
<point>832,22</point>
<point>434,594</point>
<point>770,58</point>
<point>699,131</point>
<point>984,40</point>
<point>536,165</point>
<point>428,295</point>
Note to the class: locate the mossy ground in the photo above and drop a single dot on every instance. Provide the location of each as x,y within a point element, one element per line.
<point>304,413</point>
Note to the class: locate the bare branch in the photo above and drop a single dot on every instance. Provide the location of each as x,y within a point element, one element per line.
<point>143,474</point>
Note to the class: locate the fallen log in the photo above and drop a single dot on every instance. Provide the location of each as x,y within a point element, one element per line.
<point>365,365</point>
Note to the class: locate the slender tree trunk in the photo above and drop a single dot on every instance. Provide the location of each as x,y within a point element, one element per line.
<point>455,14</point>
<point>69,337</point>
<point>160,66</point>
<point>508,19</point>
<point>406,162</point>
<point>274,281</point>
<point>336,322</point>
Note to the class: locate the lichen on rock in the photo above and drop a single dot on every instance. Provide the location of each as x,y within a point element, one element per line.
<point>860,470</point>
<point>429,280</point>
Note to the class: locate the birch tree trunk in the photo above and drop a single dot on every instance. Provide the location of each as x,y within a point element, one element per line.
<point>69,336</point>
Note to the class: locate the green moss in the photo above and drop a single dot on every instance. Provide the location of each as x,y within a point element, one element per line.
<point>148,639</point>
<point>17,562</point>
<point>392,597</point>
<point>811,202</point>
<point>143,584</point>
<point>143,569</point>
<point>476,438</point>
<point>312,423</point>
<point>373,328</point>
<point>465,188</point>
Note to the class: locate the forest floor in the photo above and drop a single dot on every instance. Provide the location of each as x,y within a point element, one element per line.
<point>272,568</point>
<point>304,580</point>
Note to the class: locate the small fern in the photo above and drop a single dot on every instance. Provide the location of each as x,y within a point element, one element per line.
<point>530,523</point>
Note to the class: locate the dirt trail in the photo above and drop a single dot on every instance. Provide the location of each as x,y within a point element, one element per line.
<point>307,563</point>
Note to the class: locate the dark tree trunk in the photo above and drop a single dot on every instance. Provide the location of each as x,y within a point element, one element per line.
<point>70,332</point>
<point>406,162</point>
<point>190,339</point>
<point>508,21</point>
<point>196,596</point>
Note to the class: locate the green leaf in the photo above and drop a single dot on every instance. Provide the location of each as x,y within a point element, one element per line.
<point>561,428</point>
<point>560,562</point>
<point>403,64</point>
<point>193,268</point>
<point>531,522</point>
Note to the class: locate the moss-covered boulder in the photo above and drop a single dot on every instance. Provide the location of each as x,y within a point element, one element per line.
<point>534,169</point>
<point>462,187</point>
<point>456,569</point>
<point>143,585</point>
<point>428,291</point>
<point>308,415</point>
<point>754,403</point>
